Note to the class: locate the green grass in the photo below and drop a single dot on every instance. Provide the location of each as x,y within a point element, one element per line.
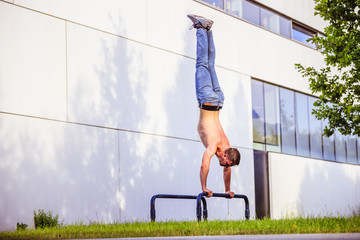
<point>157,229</point>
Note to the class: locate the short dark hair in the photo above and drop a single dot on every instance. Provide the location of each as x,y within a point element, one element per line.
<point>233,156</point>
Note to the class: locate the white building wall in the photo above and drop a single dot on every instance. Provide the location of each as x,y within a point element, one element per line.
<point>32,63</point>
<point>311,188</point>
<point>98,109</point>
<point>70,169</point>
<point>95,118</point>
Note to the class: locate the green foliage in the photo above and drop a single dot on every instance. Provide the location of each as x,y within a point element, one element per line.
<point>339,92</point>
<point>45,220</point>
<point>21,226</point>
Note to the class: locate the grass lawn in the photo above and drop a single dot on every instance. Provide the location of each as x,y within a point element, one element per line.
<point>157,229</point>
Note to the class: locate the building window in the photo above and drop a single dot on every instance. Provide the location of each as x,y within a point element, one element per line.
<point>302,125</point>
<point>285,26</point>
<point>272,117</point>
<point>275,23</point>
<point>315,132</point>
<point>282,122</point>
<point>340,147</point>
<point>351,153</point>
<point>258,115</point>
<point>266,116</point>
<point>302,34</point>
<point>251,12</point>
<point>234,7</point>
<point>216,3</point>
<point>287,113</point>
<point>265,18</point>
<point>328,145</point>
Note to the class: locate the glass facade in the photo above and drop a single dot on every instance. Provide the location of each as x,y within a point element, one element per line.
<point>351,149</point>
<point>272,117</point>
<point>216,3</point>
<point>285,27</point>
<point>340,152</point>
<point>270,20</point>
<point>302,34</point>
<point>258,114</point>
<point>302,125</point>
<point>282,122</point>
<point>265,18</point>
<point>251,12</point>
<point>234,7</point>
<point>315,127</point>
<point>287,113</point>
<point>328,145</point>
<point>266,116</point>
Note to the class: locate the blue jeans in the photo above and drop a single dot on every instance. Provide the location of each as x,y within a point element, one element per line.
<point>206,82</point>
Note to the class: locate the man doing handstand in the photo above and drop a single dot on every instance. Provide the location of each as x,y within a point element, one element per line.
<point>210,98</point>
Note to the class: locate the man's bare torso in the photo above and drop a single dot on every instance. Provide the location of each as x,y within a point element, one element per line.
<point>211,131</point>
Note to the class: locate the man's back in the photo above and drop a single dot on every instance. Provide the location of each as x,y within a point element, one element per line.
<point>211,131</point>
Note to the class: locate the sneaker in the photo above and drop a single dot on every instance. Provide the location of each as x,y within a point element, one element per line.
<point>200,22</point>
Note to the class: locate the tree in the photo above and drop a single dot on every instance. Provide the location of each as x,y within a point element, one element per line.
<point>339,90</point>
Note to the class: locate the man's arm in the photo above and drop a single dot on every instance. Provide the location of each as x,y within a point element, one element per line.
<point>204,170</point>
<point>227,181</point>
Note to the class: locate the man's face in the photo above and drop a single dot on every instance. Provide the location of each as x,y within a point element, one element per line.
<point>224,161</point>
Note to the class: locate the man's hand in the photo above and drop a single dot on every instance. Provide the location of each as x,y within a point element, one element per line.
<point>231,194</point>
<point>209,192</point>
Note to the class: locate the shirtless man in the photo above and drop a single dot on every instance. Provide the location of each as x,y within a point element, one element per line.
<point>211,98</point>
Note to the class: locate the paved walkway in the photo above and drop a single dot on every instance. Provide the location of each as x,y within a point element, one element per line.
<point>334,236</point>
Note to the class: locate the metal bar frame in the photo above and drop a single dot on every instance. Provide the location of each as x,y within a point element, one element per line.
<point>173,196</point>
<point>199,198</point>
<point>224,195</point>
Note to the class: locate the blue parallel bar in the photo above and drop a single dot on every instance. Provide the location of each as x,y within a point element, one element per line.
<point>199,198</point>
<point>173,196</point>
<point>224,195</point>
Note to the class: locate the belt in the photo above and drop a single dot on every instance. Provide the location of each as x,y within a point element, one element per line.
<point>209,107</point>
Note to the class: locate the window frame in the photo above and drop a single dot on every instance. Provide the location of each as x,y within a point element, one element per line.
<point>328,145</point>
<point>293,22</point>
<point>304,30</point>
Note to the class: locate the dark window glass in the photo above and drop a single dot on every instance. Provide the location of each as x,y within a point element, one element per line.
<point>302,125</point>
<point>216,3</point>
<point>251,12</point>
<point>272,117</point>
<point>328,145</point>
<point>302,35</point>
<point>258,114</point>
<point>315,132</point>
<point>351,149</point>
<point>287,110</point>
<point>340,150</point>
<point>234,7</point>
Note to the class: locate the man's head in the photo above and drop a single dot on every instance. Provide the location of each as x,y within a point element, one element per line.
<point>232,157</point>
